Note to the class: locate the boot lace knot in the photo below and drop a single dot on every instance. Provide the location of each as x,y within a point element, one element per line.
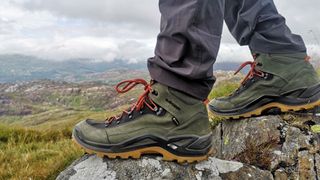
<point>143,100</point>
<point>252,72</point>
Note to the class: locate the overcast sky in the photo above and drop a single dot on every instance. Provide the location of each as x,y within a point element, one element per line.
<point>112,29</point>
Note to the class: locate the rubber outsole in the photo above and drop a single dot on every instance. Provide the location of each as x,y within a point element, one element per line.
<point>136,154</point>
<point>257,112</point>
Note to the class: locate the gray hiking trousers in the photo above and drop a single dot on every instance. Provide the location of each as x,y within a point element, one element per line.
<point>190,35</point>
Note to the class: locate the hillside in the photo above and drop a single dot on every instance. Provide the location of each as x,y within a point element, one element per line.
<point>20,68</point>
<point>38,98</point>
<point>36,119</point>
<point>25,68</point>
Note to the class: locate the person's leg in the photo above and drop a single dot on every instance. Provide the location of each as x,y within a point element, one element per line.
<point>281,76</point>
<point>170,117</point>
<point>258,24</point>
<point>187,45</point>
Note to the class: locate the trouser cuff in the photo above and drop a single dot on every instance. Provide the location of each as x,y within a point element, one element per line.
<point>199,89</point>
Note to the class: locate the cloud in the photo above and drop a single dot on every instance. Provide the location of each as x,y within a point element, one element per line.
<point>117,29</point>
<point>140,14</point>
<point>60,48</point>
<point>233,52</point>
<point>46,34</point>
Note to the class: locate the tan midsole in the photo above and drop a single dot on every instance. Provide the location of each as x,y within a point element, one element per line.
<point>167,156</point>
<point>258,111</point>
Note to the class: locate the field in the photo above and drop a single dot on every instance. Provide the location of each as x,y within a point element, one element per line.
<point>33,149</point>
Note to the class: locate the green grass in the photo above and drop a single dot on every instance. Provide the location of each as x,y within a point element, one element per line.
<point>220,90</point>
<point>223,89</point>
<point>31,154</point>
<point>39,146</point>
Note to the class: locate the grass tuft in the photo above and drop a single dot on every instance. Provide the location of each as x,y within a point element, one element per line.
<point>259,155</point>
<point>35,154</point>
<point>223,89</point>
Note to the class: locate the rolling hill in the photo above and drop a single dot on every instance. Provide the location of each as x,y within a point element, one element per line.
<point>19,68</point>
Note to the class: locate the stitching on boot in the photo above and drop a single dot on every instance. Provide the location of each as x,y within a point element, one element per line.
<point>173,104</point>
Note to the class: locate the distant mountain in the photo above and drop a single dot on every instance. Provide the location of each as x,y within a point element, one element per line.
<point>34,97</point>
<point>15,68</point>
<point>18,68</point>
<point>226,66</point>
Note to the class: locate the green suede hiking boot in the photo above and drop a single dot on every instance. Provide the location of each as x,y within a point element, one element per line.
<point>163,121</point>
<point>285,82</point>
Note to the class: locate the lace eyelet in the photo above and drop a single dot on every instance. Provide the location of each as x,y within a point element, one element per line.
<point>156,109</point>
<point>154,92</point>
<point>159,111</point>
<point>107,124</point>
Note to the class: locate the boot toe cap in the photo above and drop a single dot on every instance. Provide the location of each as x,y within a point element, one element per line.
<point>220,104</point>
<point>91,131</point>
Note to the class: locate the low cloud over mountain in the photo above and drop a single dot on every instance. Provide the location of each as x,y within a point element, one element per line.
<point>116,29</point>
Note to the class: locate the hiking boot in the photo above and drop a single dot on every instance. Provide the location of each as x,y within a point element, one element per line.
<point>163,121</point>
<point>281,82</point>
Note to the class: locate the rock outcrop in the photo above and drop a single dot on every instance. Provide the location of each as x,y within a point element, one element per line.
<point>268,147</point>
<point>93,167</point>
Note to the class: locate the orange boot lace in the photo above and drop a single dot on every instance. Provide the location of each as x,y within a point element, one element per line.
<point>143,100</point>
<point>253,71</point>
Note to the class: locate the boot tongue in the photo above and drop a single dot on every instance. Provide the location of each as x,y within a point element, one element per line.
<point>279,64</point>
